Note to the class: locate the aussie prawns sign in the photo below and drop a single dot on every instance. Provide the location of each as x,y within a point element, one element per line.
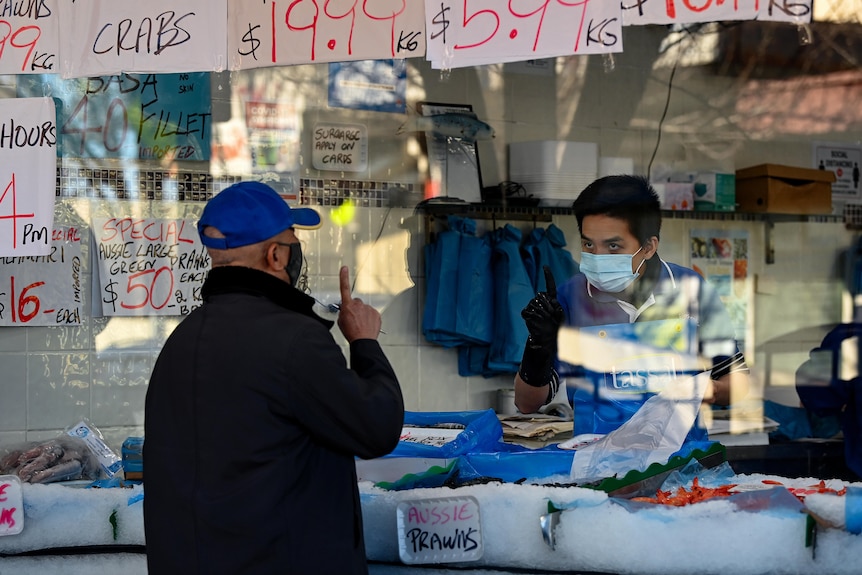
<point>149,266</point>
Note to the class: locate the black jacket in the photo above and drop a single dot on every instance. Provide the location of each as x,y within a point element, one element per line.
<point>252,423</point>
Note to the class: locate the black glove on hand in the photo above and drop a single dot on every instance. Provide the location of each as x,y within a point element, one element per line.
<point>543,316</point>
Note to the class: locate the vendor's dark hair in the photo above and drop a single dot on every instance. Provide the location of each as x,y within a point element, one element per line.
<point>629,198</point>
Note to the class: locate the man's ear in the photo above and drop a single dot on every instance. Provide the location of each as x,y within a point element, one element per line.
<point>272,259</point>
<point>650,247</point>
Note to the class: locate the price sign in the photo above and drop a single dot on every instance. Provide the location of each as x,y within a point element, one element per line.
<point>99,38</point>
<point>11,505</point>
<point>644,12</point>
<point>29,38</point>
<point>149,266</point>
<point>146,116</point>
<point>272,33</point>
<point>474,32</point>
<point>44,290</point>
<point>28,165</point>
<point>445,530</point>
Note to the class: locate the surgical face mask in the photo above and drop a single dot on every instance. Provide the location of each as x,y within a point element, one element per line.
<point>610,272</point>
<point>294,263</point>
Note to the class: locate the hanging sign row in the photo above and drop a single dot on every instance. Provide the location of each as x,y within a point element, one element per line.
<point>79,38</point>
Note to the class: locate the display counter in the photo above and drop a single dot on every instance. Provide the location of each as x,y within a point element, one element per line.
<point>513,529</point>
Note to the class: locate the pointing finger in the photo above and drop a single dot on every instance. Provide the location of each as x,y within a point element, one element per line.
<point>550,284</point>
<point>344,278</point>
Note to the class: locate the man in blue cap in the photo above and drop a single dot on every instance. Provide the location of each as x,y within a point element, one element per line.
<point>253,417</point>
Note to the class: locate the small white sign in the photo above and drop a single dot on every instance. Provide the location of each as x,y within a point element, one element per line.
<point>340,147</point>
<point>445,530</point>
<point>11,506</point>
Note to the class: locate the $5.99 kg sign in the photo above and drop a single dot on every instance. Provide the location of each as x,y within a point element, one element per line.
<point>472,32</point>
<point>149,266</point>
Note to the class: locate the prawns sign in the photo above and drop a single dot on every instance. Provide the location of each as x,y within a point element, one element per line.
<point>11,506</point>
<point>29,37</point>
<point>149,266</point>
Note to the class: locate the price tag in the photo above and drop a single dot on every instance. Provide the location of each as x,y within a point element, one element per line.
<point>11,506</point>
<point>149,266</point>
<point>445,530</point>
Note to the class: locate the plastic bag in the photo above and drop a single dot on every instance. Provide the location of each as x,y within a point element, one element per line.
<point>63,458</point>
<point>479,431</point>
<point>652,435</point>
<point>110,462</point>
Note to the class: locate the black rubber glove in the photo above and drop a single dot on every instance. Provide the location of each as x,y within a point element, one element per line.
<point>543,316</point>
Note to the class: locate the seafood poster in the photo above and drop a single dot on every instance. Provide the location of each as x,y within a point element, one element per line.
<point>721,257</point>
<point>148,266</point>
<point>44,290</point>
<point>376,85</point>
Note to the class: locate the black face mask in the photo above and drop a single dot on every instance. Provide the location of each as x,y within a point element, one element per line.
<point>294,263</point>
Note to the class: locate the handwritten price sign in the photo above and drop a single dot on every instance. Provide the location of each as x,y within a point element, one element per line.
<point>28,165</point>
<point>99,38</point>
<point>149,266</point>
<point>472,32</point>
<point>282,32</point>
<point>145,116</point>
<point>43,290</point>
<point>641,12</point>
<point>29,37</point>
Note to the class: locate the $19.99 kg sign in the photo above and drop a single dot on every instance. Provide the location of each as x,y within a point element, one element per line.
<point>149,266</point>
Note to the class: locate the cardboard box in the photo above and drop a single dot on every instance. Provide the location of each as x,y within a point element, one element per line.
<point>777,189</point>
<point>715,192</point>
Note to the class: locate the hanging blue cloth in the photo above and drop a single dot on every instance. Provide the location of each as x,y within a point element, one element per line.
<point>513,290</point>
<point>441,267</point>
<point>459,279</point>
<point>547,247</point>
<point>474,308</point>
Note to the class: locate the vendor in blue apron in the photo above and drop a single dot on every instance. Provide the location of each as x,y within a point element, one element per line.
<point>628,323</point>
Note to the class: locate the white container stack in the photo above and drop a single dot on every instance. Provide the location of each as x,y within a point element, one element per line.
<point>554,171</point>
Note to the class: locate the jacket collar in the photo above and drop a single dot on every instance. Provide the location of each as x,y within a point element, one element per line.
<point>236,279</point>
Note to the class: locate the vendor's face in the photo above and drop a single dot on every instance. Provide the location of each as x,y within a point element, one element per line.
<point>602,235</point>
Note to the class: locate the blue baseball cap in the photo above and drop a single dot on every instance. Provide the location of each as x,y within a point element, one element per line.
<point>251,212</point>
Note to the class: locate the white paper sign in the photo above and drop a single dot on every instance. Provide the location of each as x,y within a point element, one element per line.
<point>11,505</point>
<point>148,266</point>
<point>340,147</point>
<point>489,31</point>
<point>269,33</point>
<point>844,160</point>
<point>29,34</point>
<point>645,12</point>
<point>104,38</point>
<point>445,530</point>
<point>44,290</point>
<point>28,172</point>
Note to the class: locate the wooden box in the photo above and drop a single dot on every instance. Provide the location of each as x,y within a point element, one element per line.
<point>778,189</point>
